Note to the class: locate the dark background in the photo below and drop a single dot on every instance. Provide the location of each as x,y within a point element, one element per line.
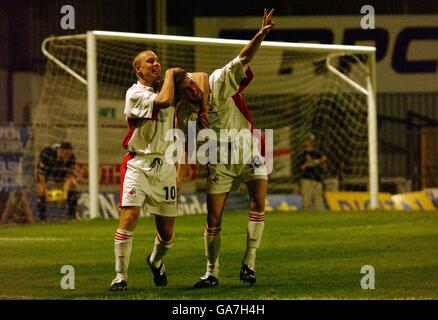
<point>25,23</point>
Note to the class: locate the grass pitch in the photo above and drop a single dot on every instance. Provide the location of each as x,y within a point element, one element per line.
<point>303,256</point>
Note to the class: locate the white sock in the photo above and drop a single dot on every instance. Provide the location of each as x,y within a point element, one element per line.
<point>256,224</point>
<point>159,251</point>
<point>212,243</point>
<point>122,251</point>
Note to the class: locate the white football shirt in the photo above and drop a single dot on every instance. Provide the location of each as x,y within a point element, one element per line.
<point>147,127</point>
<point>224,112</point>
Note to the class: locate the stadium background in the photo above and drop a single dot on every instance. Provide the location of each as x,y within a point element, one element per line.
<point>407,118</point>
<point>303,256</point>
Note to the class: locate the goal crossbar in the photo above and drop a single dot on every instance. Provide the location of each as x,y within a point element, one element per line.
<point>308,47</point>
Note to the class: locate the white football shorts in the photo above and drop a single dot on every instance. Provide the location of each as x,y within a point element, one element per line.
<point>223,178</point>
<point>149,182</point>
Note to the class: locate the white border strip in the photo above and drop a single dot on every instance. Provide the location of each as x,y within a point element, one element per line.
<point>309,47</point>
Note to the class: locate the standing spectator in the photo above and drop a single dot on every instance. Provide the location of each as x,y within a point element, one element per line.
<point>55,170</point>
<point>312,164</point>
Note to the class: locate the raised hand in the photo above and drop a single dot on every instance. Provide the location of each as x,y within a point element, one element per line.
<point>267,23</point>
<point>248,52</point>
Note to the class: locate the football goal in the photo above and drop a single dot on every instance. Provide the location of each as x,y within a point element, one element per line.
<point>297,89</point>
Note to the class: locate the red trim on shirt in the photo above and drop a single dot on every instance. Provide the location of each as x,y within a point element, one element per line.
<point>132,123</point>
<point>123,169</point>
<point>243,108</point>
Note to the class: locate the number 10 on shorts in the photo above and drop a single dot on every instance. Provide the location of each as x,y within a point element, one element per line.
<point>172,192</point>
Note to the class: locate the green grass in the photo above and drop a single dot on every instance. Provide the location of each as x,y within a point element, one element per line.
<point>303,256</point>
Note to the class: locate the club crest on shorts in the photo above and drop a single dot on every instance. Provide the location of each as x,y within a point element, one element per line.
<point>214,179</point>
<point>132,193</point>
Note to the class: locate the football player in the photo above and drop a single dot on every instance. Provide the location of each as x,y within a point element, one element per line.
<point>226,109</point>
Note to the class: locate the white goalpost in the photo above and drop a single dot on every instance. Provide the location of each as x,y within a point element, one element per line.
<point>93,142</point>
<point>329,90</point>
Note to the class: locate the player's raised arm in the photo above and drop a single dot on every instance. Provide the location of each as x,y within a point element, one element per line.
<point>167,93</point>
<point>248,52</point>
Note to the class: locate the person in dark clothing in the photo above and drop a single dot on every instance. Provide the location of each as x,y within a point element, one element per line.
<point>312,164</point>
<point>56,167</point>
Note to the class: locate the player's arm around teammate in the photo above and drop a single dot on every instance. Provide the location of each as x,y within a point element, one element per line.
<point>146,180</point>
<point>165,98</point>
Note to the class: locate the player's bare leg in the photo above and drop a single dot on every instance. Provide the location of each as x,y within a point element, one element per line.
<point>256,222</point>
<point>123,246</point>
<point>163,242</point>
<point>212,239</point>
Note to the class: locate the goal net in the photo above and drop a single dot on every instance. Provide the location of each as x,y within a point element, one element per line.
<point>297,90</point>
